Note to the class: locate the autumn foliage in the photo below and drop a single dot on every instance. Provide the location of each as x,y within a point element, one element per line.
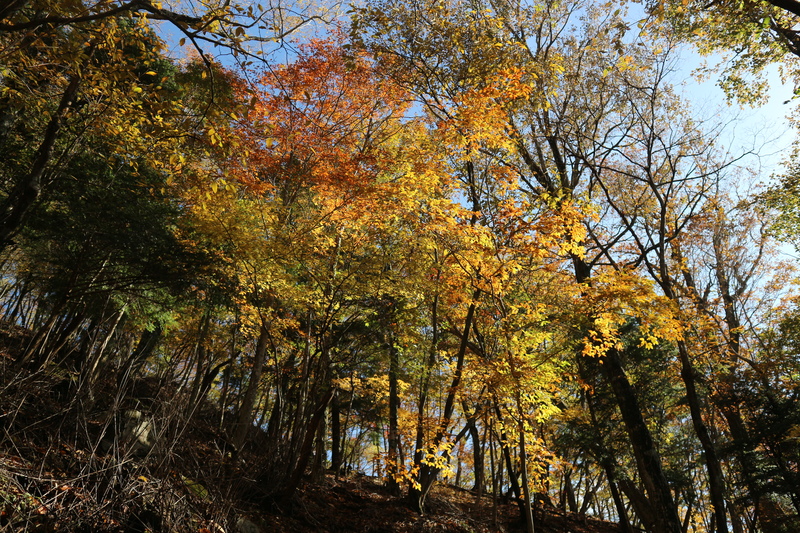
<point>481,243</point>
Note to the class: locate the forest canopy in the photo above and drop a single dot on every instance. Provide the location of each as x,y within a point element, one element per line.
<point>487,242</point>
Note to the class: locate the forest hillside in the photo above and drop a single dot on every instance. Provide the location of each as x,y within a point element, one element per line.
<point>73,467</point>
<point>477,264</point>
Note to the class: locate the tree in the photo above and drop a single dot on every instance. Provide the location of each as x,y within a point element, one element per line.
<point>756,34</point>
<point>316,241</point>
<point>596,121</point>
<point>95,69</point>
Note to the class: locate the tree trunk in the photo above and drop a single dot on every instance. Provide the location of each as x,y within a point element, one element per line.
<point>624,523</point>
<point>393,466</point>
<point>716,480</point>
<point>428,474</point>
<point>319,451</point>
<point>39,338</point>
<point>336,436</point>
<point>512,475</point>
<point>144,349</point>
<point>201,354</point>
<point>477,459</point>
<point>97,366</point>
<point>526,488</point>
<point>413,493</point>
<point>305,450</point>
<point>568,494</point>
<point>648,460</point>
<point>641,505</point>
<point>48,353</point>
<point>245,417</point>
<point>497,476</point>
<point>15,208</point>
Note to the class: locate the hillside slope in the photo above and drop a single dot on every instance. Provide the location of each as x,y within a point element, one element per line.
<point>69,462</point>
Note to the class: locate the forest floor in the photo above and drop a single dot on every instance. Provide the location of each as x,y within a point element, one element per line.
<point>61,469</point>
<point>363,505</point>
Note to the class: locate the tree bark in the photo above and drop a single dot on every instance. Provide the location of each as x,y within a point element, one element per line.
<point>526,487</point>
<point>305,450</point>
<point>428,474</point>
<point>477,459</point>
<point>144,349</point>
<point>423,397</point>
<point>15,208</point>
<point>393,466</point>
<point>336,436</point>
<point>716,479</point>
<point>245,417</point>
<point>648,460</point>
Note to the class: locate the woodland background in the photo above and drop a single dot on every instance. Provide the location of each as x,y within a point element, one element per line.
<point>485,241</point>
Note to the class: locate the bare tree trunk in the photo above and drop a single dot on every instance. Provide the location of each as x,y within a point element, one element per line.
<point>393,466</point>
<point>716,480</point>
<point>201,355</point>
<point>40,337</point>
<point>64,337</point>
<point>413,493</point>
<point>144,349</point>
<point>305,450</point>
<point>496,467</point>
<point>245,417</point>
<point>96,367</point>
<point>477,459</point>
<point>319,451</point>
<point>526,490</point>
<point>336,435</point>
